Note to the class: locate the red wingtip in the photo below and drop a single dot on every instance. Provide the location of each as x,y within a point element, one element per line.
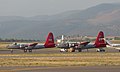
<point>49,41</point>
<point>100,42</point>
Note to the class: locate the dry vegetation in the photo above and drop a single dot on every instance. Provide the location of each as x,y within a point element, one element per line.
<point>116,41</point>
<point>3,45</point>
<point>78,59</point>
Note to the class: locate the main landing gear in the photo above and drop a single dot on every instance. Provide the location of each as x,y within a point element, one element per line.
<point>25,50</point>
<point>100,50</point>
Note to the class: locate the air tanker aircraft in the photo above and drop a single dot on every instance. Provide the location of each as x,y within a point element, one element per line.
<point>99,44</point>
<point>48,44</point>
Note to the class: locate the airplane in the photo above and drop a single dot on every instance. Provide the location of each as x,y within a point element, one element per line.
<point>99,44</point>
<point>24,46</point>
<point>115,46</point>
<point>65,44</point>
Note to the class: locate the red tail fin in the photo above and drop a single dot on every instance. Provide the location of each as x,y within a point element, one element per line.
<point>49,41</point>
<point>100,42</point>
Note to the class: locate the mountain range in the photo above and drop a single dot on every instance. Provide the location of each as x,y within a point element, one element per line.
<point>105,17</point>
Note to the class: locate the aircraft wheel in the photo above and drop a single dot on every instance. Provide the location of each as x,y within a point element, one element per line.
<point>73,50</point>
<point>79,50</point>
<point>66,50</point>
<point>61,51</point>
<point>30,50</point>
<point>100,50</point>
<point>25,50</point>
<point>119,50</point>
<point>103,50</point>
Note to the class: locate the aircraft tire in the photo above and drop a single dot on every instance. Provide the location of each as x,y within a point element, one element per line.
<point>100,50</point>
<point>119,50</point>
<point>73,50</point>
<point>66,50</point>
<point>103,50</point>
<point>79,50</point>
<point>30,50</point>
<point>25,50</point>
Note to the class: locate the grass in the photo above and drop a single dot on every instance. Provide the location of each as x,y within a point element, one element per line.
<point>3,45</point>
<point>115,41</point>
<point>79,59</point>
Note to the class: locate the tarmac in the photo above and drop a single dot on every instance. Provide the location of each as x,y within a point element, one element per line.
<point>62,69</point>
<point>53,50</point>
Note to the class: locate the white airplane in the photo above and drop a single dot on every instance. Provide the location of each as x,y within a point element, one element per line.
<point>99,44</point>
<point>25,46</point>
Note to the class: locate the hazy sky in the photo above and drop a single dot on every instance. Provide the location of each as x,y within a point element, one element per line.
<point>45,7</point>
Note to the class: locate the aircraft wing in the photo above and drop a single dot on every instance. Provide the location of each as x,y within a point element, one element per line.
<point>84,43</point>
<point>33,44</point>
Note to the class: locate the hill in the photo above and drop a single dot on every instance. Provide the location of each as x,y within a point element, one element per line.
<point>105,17</point>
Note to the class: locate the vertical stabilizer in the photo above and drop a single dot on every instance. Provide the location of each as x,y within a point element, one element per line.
<point>49,41</point>
<point>62,38</point>
<point>100,42</point>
